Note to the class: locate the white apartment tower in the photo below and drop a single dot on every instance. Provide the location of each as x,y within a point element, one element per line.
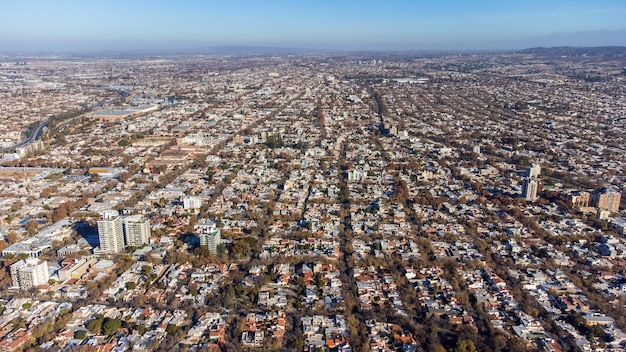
<point>192,203</point>
<point>136,230</point>
<point>531,184</point>
<point>533,171</point>
<point>110,232</point>
<point>29,273</point>
<point>209,234</point>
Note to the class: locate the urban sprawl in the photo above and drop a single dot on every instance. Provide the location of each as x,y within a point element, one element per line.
<point>373,202</point>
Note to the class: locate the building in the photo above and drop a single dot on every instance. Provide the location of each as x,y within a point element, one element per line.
<point>29,273</point>
<point>619,224</point>
<point>357,175</point>
<point>533,171</point>
<point>580,199</point>
<point>123,113</point>
<point>29,247</point>
<point>136,230</point>
<point>530,183</point>
<point>75,268</point>
<point>529,189</point>
<point>192,203</point>
<point>106,173</point>
<point>209,234</point>
<point>110,232</point>
<point>607,198</point>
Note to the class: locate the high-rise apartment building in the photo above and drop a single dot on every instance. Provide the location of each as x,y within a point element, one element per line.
<point>110,232</point>
<point>606,198</point>
<point>530,184</point>
<point>533,171</point>
<point>29,273</point>
<point>209,234</point>
<point>136,230</point>
<point>192,203</point>
<point>529,189</point>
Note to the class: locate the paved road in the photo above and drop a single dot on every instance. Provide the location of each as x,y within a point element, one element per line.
<point>35,135</point>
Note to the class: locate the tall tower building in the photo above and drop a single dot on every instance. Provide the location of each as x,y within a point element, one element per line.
<point>529,189</point>
<point>29,273</point>
<point>606,198</point>
<point>136,230</point>
<point>209,234</point>
<point>110,232</point>
<point>533,171</point>
<point>530,183</point>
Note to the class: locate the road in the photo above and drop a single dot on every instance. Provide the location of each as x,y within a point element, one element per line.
<point>37,132</point>
<point>35,135</point>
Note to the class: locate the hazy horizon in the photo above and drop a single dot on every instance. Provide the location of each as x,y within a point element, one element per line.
<point>62,26</point>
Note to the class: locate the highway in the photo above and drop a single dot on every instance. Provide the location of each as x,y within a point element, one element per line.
<point>35,135</point>
<point>38,132</point>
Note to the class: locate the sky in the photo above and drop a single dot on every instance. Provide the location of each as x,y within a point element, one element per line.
<point>66,25</point>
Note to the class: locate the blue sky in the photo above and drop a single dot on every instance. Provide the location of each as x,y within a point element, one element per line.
<point>338,24</point>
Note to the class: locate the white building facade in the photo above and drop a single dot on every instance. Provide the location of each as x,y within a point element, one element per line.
<point>29,273</point>
<point>136,230</point>
<point>110,232</point>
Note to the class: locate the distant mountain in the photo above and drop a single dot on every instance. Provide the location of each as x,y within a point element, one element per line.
<point>576,51</point>
<point>251,50</point>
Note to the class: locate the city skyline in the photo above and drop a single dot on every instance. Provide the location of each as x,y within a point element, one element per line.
<point>350,25</point>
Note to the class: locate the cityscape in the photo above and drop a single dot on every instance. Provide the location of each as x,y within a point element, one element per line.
<point>314,202</point>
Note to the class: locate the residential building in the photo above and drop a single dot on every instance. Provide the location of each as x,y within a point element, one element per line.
<point>529,189</point>
<point>110,232</point>
<point>533,171</point>
<point>580,199</point>
<point>192,203</point>
<point>136,230</point>
<point>209,234</point>
<point>607,198</point>
<point>29,273</point>
<point>530,183</point>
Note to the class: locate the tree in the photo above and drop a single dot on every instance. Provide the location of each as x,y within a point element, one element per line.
<point>95,326</point>
<point>298,343</point>
<point>31,226</point>
<point>202,252</point>
<point>60,212</point>
<point>146,269</point>
<point>596,331</point>
<point>111,326</point>
<point>12,237</point>
<point>16,206</point>
<point>171,329</point>
<point>81,335</point>
<point>465,346</point>
<point>274,141</point>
